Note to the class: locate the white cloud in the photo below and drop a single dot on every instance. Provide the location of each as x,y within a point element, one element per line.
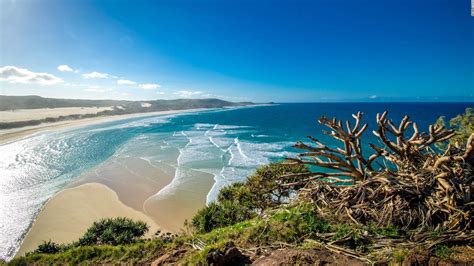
<point>125,82</point>
<point>373,97</point>
<point>188,94</point>
<point>150,86</point>
<point>160,93</point>
<point>97,89</point>
<point>14,74</point>
<point>65,68</point>
<point>96,75</point>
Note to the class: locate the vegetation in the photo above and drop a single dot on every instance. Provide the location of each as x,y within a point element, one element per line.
<point>48,247</point>
<point>116,231</point>
<point>112,231</point>
<point>463,125</point>
<point>404,183</point>
<point>405,199</point>
<point>240,202</point>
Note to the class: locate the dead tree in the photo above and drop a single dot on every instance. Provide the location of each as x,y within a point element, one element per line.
<point>405,181</point>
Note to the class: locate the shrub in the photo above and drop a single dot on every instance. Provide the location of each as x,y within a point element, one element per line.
<point>116,231</point>
<point>48,247</point>
<point>242,201</point>
<point>291,225</point>
<point>463,124</point>
<point>217,215</point>
<point>265,185</point>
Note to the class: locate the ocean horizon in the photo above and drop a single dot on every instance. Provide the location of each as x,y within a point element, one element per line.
<point>226,144</point>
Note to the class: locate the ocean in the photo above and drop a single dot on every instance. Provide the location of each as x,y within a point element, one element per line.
<point>228,144</point>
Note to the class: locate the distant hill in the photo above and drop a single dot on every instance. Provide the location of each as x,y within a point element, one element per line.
<point>8,103</point>
<point>35,102</point>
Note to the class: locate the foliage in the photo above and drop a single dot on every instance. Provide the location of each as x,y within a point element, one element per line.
<point>48,247</point>
<point>463,124</point>
<point>403,183</point>
<point>116,231</point>
<point>443,251</point>
<point>267,185</point>
<point>137,253</point>
<point>217,215</point>
<point>242,201</point>
<point>399,255</point>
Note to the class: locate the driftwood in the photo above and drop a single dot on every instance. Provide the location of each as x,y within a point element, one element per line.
<point>405,181</point>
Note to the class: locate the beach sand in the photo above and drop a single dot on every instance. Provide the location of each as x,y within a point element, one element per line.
<point>66,217</point>
<point>42,113</point>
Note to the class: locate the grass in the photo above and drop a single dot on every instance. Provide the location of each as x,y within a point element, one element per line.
<point>443,251</point>
<point>297,225</point>
<point>292,224</point>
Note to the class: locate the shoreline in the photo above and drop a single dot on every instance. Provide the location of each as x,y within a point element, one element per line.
<point>15,134</point>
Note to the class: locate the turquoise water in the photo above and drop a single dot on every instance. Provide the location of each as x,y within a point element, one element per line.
<point>228,143</point>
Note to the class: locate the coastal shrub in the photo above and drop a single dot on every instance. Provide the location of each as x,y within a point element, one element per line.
<point>463,124</point>
<point>242,201</point>
<point>113,231</point>
<point>265,185</point>
<point>222,214</point>
<point>290,225</point>
<point>264,188</point>
<point>48,247</point>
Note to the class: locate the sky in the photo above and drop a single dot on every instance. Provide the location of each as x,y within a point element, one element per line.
<point>282,51</point>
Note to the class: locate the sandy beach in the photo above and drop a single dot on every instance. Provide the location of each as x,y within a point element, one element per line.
<point>66,217</point>
<point>9,135</point>
<point>42,113</point>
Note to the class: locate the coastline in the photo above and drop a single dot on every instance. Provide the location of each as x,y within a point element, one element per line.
<point>14,134</point>
<point>125,188</point>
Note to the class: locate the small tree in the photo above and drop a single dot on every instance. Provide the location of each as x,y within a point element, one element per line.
<point>463,124</point>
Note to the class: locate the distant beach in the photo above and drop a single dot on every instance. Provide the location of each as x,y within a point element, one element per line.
<point>9,135</point>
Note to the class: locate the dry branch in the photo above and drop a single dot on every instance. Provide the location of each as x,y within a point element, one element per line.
<point>404,182</point>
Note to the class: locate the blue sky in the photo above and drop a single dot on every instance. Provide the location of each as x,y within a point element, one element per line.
<point>284,51</point>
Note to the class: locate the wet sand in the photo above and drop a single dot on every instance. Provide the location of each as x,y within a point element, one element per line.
<point>171,209</point>
<point>66,217</point>
<point>133,179</point>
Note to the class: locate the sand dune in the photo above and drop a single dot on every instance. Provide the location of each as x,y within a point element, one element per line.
<point>37,114</point>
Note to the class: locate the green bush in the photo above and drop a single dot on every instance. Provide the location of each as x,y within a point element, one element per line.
<point>116,231</point>
<point>463,124</point>
<point>265,185</point>
<point>217,215</point>
<point>48,247</point>
<point>290,225</point>
<point>242,201</point>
